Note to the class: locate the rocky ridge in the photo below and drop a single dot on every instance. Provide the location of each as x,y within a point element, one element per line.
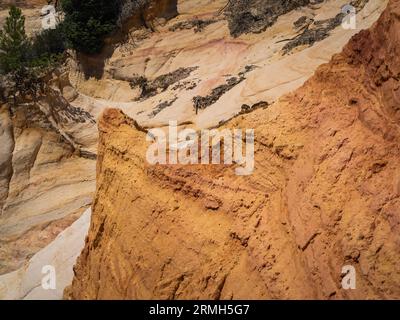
<point>325,193</point>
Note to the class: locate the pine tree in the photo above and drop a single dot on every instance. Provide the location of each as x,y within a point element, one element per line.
<point>13,41</point>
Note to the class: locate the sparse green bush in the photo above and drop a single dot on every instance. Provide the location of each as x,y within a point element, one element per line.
<point>87,22</point>
<point>18,52</point>
<point>48,47</point>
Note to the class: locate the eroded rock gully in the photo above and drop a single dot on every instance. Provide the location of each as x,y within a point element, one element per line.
<point>325,193</point>
<point>47,163</point>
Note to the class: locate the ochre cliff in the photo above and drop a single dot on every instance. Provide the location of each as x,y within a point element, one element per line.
<point>325,193</point>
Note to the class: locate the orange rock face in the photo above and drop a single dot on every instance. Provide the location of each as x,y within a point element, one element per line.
<point>325,193</point>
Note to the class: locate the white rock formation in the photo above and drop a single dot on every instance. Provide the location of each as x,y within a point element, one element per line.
<point>26,282</point>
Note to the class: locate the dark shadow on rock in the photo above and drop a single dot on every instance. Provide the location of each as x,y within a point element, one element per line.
<point>148,15</point>
<point>92,66</point>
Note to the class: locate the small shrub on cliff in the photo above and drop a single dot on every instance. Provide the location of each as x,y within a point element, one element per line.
<point>47,47</point>
<point>24,61</point>
<point>88,22</point>
<point>18,52</point>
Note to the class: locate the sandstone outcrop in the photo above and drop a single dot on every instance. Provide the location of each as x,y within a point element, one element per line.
<point>325,193</point>
<point>45,184</point>
<point>246,16</point>
<point>216,57</point>
<point>47,152</point>
<point>47,163</point>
